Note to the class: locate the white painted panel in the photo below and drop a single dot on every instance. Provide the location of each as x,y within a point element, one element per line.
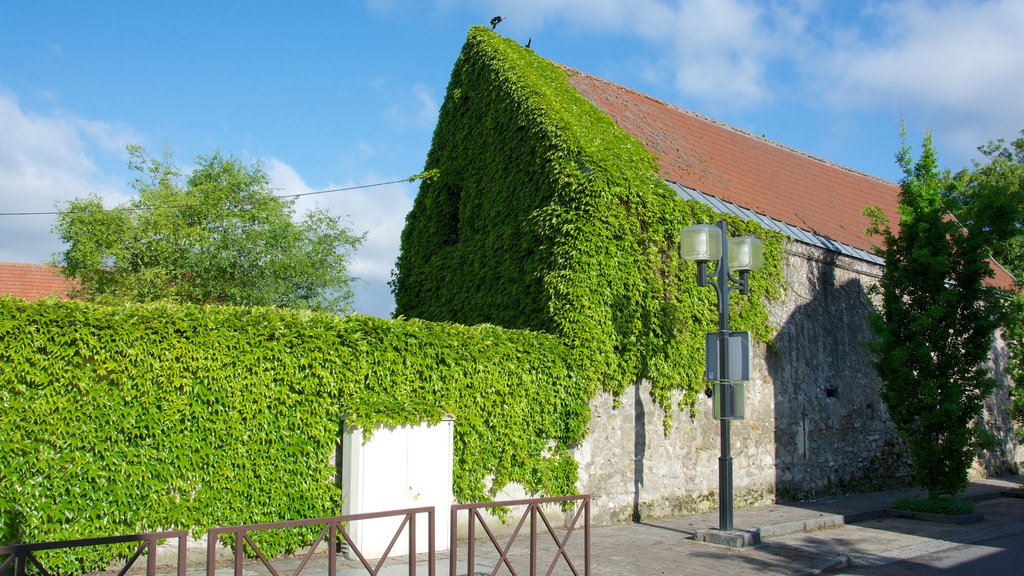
<point>404,467</point>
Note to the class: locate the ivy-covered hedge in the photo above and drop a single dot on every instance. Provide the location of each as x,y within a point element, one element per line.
<point>545,215</point>
<point>118,420</point>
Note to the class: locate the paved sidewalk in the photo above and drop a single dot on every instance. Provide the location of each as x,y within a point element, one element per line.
<point>797,539</point>
<point>802,538</point>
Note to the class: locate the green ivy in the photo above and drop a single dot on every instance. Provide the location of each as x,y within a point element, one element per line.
<point>543,214</point>
<point>125,419</point>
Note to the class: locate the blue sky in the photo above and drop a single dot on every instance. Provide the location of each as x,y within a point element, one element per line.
<point>331,94</point>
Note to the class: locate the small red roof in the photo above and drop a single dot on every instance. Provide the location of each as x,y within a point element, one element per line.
<point>33,281</point>
<point>750,171</point>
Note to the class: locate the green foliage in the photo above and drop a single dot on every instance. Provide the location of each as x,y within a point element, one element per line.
<point>545,215</point>
<point>993,192</point>
<point>948,505</point>
<point>218,237</point>
<point>1013,331</point>
<point>935,326</point>
<point>157,416</point>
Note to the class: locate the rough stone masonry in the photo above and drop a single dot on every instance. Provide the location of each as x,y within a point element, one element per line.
<point>815,423</point>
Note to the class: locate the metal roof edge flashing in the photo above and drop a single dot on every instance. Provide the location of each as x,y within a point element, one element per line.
<point>770,223</point>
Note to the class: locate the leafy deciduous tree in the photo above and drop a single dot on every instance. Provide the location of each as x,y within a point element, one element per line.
<point>1014,333</point>
<point>219,236</point>
<point>936,323</point>
<point>993,191</point>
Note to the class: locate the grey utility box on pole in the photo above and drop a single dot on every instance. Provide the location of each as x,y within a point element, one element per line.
<point>730,401</point>
<point>739,356</point>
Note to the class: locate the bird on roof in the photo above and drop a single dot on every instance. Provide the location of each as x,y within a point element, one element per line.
<point>496,20</point>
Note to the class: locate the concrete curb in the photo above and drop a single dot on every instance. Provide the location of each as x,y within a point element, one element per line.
<point>783,528</point>
<point>983,496</point>
<point>863,515</point>
<point>841,561</point>
<point>968,518</point>
<point>747,538</point>
<point>731,538</point>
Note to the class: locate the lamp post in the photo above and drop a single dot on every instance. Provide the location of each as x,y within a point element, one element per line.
<point>705,243</point>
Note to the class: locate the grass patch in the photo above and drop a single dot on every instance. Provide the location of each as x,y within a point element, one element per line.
<point>948,505</point>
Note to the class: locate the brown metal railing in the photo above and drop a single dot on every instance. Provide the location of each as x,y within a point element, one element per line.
<point>534,512</point>
<point>24,554</point>
<point>332,527</point>
<point>20,556</point>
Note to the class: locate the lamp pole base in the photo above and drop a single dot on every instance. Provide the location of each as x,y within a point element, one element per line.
<point>730,538</point>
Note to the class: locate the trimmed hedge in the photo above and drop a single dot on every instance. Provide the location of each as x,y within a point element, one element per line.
<point>145,417</point>
<point>543,214</point>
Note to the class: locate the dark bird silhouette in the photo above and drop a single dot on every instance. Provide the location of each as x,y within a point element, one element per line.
<point>496,20</point>
<point>530,41</point>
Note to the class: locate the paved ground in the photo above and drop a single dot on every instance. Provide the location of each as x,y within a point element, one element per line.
<point>801,538</point>
<point>823,536</point>
<point>994,556</point>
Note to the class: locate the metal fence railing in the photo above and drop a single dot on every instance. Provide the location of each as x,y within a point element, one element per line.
<point>23,555</point>
<point>332,528</point>
<point>555,544</point>
<point>544,545</point>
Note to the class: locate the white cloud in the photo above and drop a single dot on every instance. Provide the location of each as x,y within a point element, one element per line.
<point>416,108</point>
<point>955,67</point>
<point>378,211</point>
<point>952,66</point>
<point>717,51</point>
<point>45,159</point>
<point>109,136</point>
<point>366,149</point>
<point>605,15</point>
<point>720,51</point>
<point>427,109</point>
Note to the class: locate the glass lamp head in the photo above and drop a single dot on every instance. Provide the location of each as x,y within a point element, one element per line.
<point>702,243</point>
<point>745,253</point>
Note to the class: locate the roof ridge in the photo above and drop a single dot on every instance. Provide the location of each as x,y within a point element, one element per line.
<point>740,131</point>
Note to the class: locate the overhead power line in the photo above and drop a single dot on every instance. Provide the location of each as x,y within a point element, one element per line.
<point>413,178</point>
<point>347,188</point>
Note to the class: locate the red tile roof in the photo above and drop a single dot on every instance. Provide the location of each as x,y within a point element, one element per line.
<point>750,171</point>
<point>33,281</point>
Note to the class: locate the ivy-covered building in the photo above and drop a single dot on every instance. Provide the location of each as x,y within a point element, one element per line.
<point>555,205</point>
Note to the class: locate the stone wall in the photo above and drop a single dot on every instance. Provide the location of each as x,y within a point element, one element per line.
<point>815,424</point>
<point>832,431</point>
<point>1007,455</point>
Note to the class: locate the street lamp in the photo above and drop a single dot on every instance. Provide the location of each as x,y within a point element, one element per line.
<point>704,243</point>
